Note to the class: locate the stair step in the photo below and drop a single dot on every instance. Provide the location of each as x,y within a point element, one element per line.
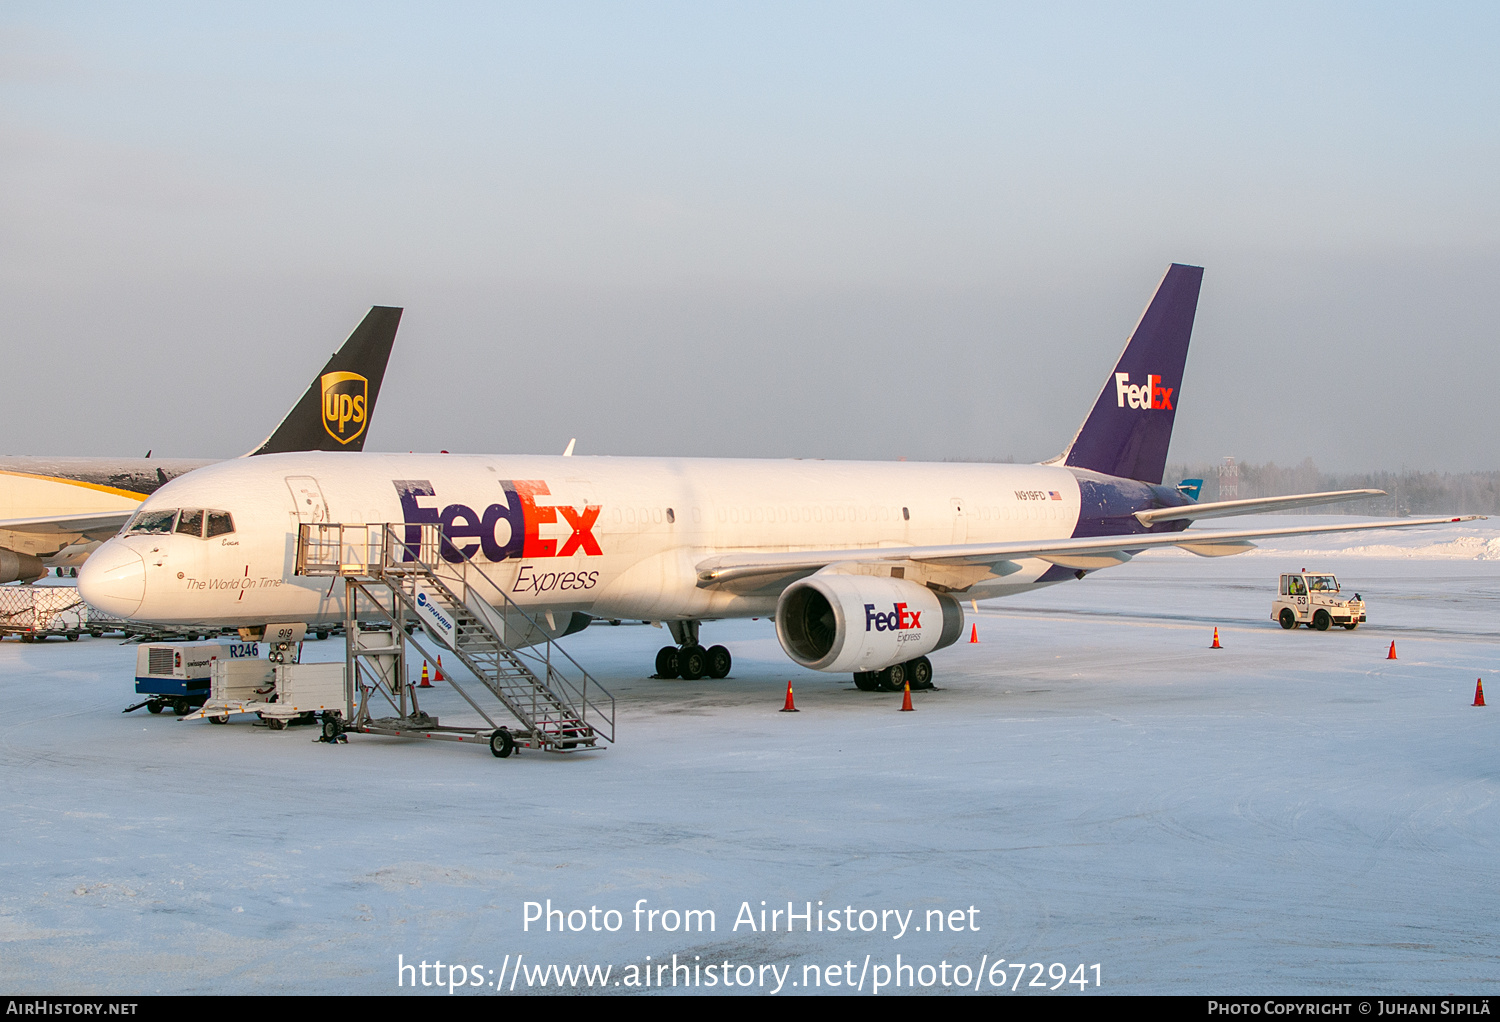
<point>538,696</point>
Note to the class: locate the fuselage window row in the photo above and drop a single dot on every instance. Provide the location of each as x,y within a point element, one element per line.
<point>828,513</point>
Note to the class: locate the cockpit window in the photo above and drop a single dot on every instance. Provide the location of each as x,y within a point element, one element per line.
<point>190,522</point>
<point>153,522</point>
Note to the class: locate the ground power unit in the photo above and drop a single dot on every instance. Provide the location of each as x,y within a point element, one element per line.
<point>178,674</point>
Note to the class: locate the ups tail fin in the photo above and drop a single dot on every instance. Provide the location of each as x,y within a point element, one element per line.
<point>1130,428</point>
<point>335,413</point>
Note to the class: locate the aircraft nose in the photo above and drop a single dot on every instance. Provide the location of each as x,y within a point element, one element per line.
<point>113,580</point>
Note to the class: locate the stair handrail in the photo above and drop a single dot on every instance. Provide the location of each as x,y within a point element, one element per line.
<point>431,540</point>
<point>379,548</point>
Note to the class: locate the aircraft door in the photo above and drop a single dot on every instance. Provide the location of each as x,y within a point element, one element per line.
<point>960,521</point>
<point>307,499</point>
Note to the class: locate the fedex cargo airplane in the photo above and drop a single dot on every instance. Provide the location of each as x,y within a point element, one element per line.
<point>862,564</point>
<point>54,512</point>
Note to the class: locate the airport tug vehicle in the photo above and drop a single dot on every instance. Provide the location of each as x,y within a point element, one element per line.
<point>1314,599</point>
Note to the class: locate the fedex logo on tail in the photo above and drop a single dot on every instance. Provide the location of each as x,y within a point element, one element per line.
<point>522,515</point>
<point>900,618</point>
<point>1150,394</point>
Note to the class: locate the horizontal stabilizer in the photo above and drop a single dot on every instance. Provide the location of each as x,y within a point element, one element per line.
<point>1250,506</point>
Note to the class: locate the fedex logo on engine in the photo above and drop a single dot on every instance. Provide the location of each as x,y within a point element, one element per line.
<point>900,618</point>
<point>521,514</point>
<point>1150,394</point>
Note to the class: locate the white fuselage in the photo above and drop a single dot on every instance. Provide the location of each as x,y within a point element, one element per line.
<point>610,537</point>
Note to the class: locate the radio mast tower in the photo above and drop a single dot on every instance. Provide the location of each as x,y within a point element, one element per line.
<point>1229,480</point>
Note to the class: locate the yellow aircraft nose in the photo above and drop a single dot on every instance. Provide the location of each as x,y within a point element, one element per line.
<point>113,580</point>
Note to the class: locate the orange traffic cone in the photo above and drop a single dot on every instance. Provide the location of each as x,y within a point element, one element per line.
<point>973,633</point>
<point>1479,692</point>
<point>424,682</point>
<point>438,671</point>
<point>1216,640</point>
<point>790,707</point>
<point>906,699</point>
<point>1392,654</point>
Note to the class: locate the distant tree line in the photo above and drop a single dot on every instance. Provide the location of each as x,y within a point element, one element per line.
<point>1409,492</point>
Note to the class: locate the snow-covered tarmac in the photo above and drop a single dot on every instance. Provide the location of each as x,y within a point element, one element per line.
<point>1292,813</point>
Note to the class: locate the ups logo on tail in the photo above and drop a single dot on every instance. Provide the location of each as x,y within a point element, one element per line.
<point>345,398</point>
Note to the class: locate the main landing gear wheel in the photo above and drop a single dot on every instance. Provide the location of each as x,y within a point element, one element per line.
<point>692,662</point>
<point>1288,619</point>
<point>501,743</point>
<point>893,678</point>
<point>719,662</point>
<point>867,681</point>
<point>1321,620</point>
<point>919,673</point>
<point>666,662</point>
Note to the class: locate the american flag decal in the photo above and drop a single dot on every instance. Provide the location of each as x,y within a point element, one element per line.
<point>1054,495</point>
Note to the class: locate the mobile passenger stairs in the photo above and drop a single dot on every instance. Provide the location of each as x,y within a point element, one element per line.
<point>395,575</point>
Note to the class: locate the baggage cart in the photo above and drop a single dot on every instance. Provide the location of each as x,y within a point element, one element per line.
<point>36,612</point>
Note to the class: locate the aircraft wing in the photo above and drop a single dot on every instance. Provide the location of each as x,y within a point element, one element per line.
<point>101,524</point>
<point>967,563</point>
<point>1252,506</point>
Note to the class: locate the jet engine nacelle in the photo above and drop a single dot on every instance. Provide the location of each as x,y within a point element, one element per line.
<point>18,567</point>
<point>834,622</point>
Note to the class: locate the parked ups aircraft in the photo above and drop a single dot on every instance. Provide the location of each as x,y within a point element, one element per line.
<point>54,512</point>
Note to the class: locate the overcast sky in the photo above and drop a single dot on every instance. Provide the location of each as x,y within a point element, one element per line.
<point>828,230</point>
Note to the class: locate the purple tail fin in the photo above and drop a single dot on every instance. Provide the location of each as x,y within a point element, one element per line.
<point>1128,431</point>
